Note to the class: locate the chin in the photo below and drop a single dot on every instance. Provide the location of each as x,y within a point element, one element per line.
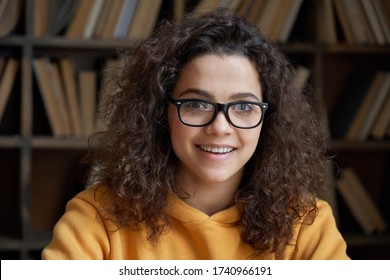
<point>215,178</point>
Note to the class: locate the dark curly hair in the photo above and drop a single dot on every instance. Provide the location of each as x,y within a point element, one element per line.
<point>134,157</point>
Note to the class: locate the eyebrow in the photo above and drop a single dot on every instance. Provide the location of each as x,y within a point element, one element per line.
<point>208,95</point>
<point>201,92</point>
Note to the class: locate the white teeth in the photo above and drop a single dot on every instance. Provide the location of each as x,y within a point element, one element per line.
<point>221,150</point>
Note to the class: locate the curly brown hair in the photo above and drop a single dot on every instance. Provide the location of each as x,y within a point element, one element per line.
<point>134,156</point>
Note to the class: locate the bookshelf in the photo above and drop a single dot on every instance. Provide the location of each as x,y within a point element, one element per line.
<point>41,172</point>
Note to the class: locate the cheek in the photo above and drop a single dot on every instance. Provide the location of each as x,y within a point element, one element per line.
<point>177,130</point>
<point>251,139</point>
<point>174,123</point>
<point>172,117</point>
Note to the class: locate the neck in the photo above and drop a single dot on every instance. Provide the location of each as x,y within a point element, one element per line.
<point>209,197</point>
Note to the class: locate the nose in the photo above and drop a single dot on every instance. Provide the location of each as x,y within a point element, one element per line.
<point>220,125</point>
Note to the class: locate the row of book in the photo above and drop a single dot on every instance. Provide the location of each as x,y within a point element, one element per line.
<point>8,70</point>
<point>69,97</point>
<point>363,111</point>
<point>274,18</point>
<point>364,22</point>
<point>97,19</point>
<point>361,205</point>
<point>11,12</point>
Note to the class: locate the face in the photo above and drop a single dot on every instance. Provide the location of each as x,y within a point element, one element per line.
<point>215,153</point>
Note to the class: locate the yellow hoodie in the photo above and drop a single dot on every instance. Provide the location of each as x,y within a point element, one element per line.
<point>82,234</point>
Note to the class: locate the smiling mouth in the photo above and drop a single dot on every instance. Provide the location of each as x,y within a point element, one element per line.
<point>216,150</point>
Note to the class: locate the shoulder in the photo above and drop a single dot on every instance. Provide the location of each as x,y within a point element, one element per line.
<point>324,207</point>
<point>317,235</point>
<point>324,212</point>
<point>81,224</point>
<point>88,202</point>
<point>89,207</point>
<point>93,194</point>
<point>318,217</point>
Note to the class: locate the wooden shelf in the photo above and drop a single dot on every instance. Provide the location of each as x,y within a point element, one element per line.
<point>9,142</point>
<point>342,145</point>
<point>356,240</point>
<point>53,143</point>
<point>13,41</point>
<point>65,43</point>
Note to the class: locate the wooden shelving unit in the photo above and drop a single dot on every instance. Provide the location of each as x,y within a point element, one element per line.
<point>41,173</point>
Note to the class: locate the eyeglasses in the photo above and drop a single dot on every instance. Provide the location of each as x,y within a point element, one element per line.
<point>240,114</point>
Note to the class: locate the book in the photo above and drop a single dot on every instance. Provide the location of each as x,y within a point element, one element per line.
<point>61,13</point>
<point>72,96</point>
<point>382,122</point>
<point>10,13</point>
<point>87,89</point>
<point>358,22</point>
<point>40,66</point>
<point>93,18</point>
<point>358,200</point>
<point>256,10</point>
<point>7,81</point>
<point>346,24</point>
<point>277,18</point>
<point>294,7</point>
<point>40,17</point>
<point>374,22</point>
<point>365,116</point>
<point>252,9</point>
<point>2,64</point>
<point>245,8</point>
<point>179,8</point>
<point>278,22</point>
<point>3,7</point>
<point>375,108</point>
<point>145,19</point>
<point>326,27</point>
<point>60,98</point>
<point>235,5</point>
<point>79,21</point>
<point>205,5</point>
<point>350,101</point>
<point>51,16</point>
<point>382,9</point>
<point>270,14</point>
<point>125,18</point>
<point>103,18</point>
<point>224,3</point>
<point>232,5</point>
<point>110,24</point>
<point>388,131</point>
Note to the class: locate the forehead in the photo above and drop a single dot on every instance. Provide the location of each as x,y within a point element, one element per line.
<point>217,74</point>
<point>218,61</point>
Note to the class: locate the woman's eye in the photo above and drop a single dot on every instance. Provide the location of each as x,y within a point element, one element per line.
<point>242,107</point>
<point>198,105</point>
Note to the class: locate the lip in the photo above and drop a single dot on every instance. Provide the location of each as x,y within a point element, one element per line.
<point>221,149</point>
<point>213,151</point>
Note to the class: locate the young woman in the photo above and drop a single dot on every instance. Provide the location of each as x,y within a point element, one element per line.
<point>210,152</point>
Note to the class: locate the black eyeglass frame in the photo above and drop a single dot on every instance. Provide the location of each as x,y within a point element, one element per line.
<point>219,107</point>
